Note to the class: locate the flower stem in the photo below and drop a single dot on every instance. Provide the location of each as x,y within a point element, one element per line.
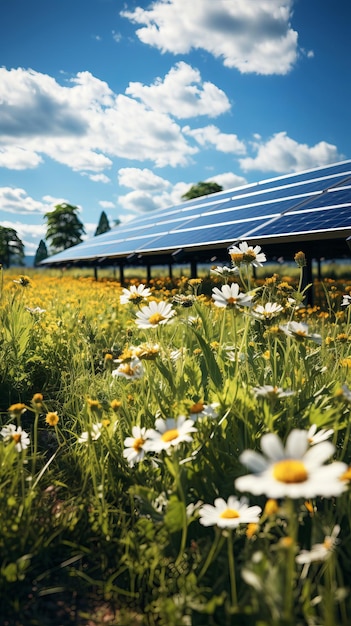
<point>232,577</point>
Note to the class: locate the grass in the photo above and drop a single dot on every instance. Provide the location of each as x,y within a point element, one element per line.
<point>94,534</point>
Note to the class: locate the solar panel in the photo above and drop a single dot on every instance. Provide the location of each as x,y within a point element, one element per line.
<point>312,201</point>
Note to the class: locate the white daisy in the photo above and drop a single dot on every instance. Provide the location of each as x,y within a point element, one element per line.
<point>92,435</point>
<point>315,436</point>
<point>268,311</point>
<point>229,514</point>
<point>299,331</point>
<point>224,270</point>
<point>248,255</point>
<point>132,369</point>
<point>271,392</point>
<point>200,409</point>
<point>154,314</point>
<point>135,295</point>
<point>296,471</point>
<point>346,300</point>
<point>16,434</point>
<point>169,432</point>
<point>320,551</point>
<point>134,446</point>
<point>230,296</point>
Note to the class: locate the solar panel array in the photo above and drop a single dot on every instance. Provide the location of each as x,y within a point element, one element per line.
<point>308,203</point>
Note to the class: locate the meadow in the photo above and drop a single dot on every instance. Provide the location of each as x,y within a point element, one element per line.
<point>177,453</point>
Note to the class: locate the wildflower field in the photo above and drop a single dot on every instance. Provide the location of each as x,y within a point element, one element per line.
<point>176,453</point>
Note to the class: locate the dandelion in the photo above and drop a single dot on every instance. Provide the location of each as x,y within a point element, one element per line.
<point>134,450</point>
<point>268,311</point>
<point>296,471</point>
<point>320,551</point>
<point>154,314</point>
<point>247,255</point>
<point>16,410</point>
<point>133,369</point>
<point>169,432</point>
<point>315,436</point>
<point>299,331</point>
<point>115,405</point>
<point>92,434</point>
<point>17,435</point>
<point>52,418</point>
<point>37,400</point>
<point>135,295</point>
<point>229,514</point>
<point>230,296</point>
<point>271,392</point>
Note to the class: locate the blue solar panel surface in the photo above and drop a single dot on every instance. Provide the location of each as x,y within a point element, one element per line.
<point>310,201</point>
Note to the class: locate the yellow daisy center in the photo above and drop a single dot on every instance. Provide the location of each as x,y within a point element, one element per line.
<point>237,257</point>
<point>249,255</point>
<point>156,318</point>
<point>138,444</point>
<point>170,434</point>
<point>197,407</point>
<point>290,471</point>
<point>232,300</point>
<point>16,437</point>
<point>229,514</point>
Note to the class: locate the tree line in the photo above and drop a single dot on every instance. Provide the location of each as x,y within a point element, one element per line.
<point>65,229</point>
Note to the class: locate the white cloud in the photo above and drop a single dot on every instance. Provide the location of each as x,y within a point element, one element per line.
<point>106,204</point>
<point>16,200</point>
<point>83,124</point>
<point>141,179</point>
<point>181,94</point>
<point>250,35</point>
<point>212,136</point>
<point>100,178</point>
<point>227,180</point>
<point>17,158</point>
<point>282,154</point>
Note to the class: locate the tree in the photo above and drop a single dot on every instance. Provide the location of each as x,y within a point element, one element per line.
<point>103,225</point>
<point>11,247</point>
<point>201,189</point>
<point>64,228</point>
<point>41,253</point>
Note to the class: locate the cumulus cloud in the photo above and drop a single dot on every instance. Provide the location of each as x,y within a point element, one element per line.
<point>250,35</point>
<point>282,154</point>
<point>141,179</point>
<point>16,200</point>
<point>211,136</point>
<point>84,124</point>
<point>181,94</point>
<point>227,180</point>
<point>17,158</point>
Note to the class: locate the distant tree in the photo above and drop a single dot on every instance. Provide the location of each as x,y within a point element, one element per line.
<point>64,228</point>
<point>103,225</point>
<point>201,189</point>
<point>11,247</point>
<point>116,222</point>
<point>41,253</point>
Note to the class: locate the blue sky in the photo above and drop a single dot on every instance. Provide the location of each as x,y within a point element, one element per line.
<point>122,106</point>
